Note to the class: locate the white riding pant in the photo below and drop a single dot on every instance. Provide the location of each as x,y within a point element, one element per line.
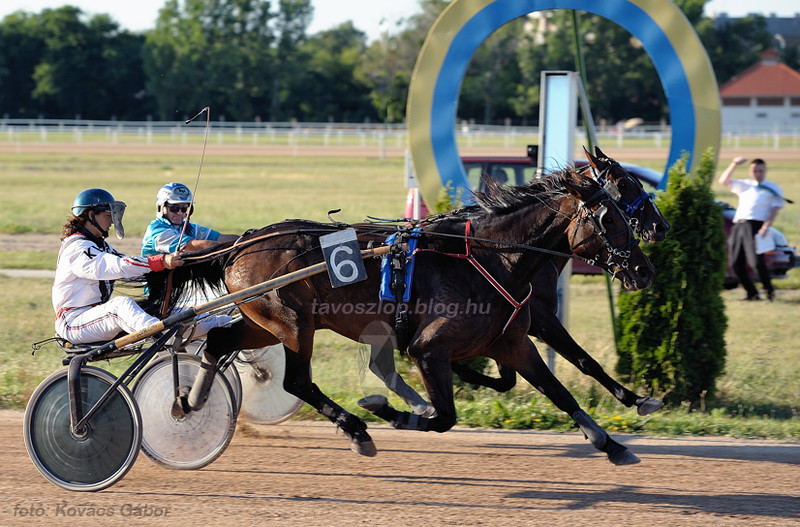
<point>104,322</point>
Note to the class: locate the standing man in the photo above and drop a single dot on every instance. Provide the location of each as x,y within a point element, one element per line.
<point>759,203</point>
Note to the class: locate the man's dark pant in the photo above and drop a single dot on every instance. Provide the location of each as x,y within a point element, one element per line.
<point>742,252</point>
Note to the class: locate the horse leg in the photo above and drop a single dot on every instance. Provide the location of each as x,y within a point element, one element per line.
<point>547,327</point>
<point>381,363</point>
<point>297,381</point>
<point>438,380</point>
<point>220,342</point>
<point>531,366</point>
<point>507,380</point>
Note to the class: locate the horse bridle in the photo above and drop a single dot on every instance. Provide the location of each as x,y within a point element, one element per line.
<point>593,210</point>
<point>631,209</point>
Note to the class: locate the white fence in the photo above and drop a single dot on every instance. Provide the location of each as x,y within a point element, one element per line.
<point>332,134</point>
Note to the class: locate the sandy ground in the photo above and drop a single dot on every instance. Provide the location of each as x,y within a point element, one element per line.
<point>303,473</point>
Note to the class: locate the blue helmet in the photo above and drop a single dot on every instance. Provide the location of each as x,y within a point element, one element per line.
<point>100,200</point>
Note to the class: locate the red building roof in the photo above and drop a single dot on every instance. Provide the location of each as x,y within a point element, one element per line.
<point>768,78</point>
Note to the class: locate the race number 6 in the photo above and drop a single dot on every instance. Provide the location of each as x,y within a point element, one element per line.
<point>343,257</point>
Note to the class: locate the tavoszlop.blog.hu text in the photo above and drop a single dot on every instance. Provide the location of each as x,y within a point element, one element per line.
<point>418,307</point>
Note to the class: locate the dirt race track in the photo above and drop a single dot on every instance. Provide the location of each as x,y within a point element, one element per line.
<point>303,473</point>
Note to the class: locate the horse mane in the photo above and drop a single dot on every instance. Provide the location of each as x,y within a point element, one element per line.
<point>500,199</point>
<point>203,277</point>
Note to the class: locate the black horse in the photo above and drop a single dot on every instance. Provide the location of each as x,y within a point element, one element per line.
<point>480,261</point>
<point>649,225</point>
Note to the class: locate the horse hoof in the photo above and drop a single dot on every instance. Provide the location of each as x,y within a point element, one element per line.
<point>364,448</point>
<point>424,410</point>
<point>373,403</point>
<point>624,457</point>
<point>361,443</point>
<point>647,406</point>
<point>619,454</point>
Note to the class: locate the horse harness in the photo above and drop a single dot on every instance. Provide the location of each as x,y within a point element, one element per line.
<point>468,256</point>
<point>592,216</point>
<point>399,257</point>
<point>629,208</point>
<point>595,217</point>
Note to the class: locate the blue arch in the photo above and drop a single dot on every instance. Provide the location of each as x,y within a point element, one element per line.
<point>636,21</point>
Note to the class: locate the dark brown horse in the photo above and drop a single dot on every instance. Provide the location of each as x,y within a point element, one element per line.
<point>649,225</point>
<point>472,280</point>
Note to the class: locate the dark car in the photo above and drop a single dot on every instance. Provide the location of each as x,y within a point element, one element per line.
<point>519,170</point>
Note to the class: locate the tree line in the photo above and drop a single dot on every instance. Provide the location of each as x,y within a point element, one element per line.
<point>253,60</point>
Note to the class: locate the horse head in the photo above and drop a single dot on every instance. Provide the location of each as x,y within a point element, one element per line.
<point>644,216</point>
<point>603,235</point>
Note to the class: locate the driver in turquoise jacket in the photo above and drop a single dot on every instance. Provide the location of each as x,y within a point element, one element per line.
<point>174,206</point>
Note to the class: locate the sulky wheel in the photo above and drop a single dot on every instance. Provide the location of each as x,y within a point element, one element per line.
<point>264,401</point>
<point>195,439</point>
<point>104,453</point>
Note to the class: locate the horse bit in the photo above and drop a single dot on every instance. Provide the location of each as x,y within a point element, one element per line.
<point>595,217</point>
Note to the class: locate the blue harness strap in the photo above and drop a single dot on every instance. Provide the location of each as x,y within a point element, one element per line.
<point>386,294</point>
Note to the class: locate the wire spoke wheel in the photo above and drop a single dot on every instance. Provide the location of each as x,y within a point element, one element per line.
<point>95,459</point>
<point>195,439</point>
<point>264,401</point>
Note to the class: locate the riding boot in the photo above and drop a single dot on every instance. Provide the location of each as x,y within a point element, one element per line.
<point>202,384</point>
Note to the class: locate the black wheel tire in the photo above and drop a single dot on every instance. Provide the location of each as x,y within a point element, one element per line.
<point>96,460</point>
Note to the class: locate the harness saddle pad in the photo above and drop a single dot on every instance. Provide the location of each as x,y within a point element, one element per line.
<point>386,294</point>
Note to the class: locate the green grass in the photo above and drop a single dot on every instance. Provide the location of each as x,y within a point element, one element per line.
<point>26,316</point>
<point>237,192</point>
<point>28,259</point>
<point>234,193</point>
<point>758,393</point>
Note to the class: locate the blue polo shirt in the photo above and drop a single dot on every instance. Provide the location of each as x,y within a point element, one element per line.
<point>162,236</point>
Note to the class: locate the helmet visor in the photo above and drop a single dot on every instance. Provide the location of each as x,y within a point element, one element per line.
<point>117,209</point>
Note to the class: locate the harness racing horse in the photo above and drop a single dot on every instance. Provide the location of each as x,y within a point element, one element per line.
<point>479,260</point>
<point>649,225</point>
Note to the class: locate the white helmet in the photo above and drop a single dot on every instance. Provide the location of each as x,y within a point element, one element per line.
<point>173,193</point>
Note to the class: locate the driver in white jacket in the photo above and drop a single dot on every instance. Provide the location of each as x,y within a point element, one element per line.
<point>87,267</point>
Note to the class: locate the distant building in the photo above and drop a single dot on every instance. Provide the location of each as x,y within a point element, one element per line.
<point>785,31</point>
<point>763,98</point>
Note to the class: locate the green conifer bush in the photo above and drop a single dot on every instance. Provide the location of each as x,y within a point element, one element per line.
<point>673,333</point>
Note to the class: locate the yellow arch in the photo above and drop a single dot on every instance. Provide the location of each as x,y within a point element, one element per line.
<point>666,34</point>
